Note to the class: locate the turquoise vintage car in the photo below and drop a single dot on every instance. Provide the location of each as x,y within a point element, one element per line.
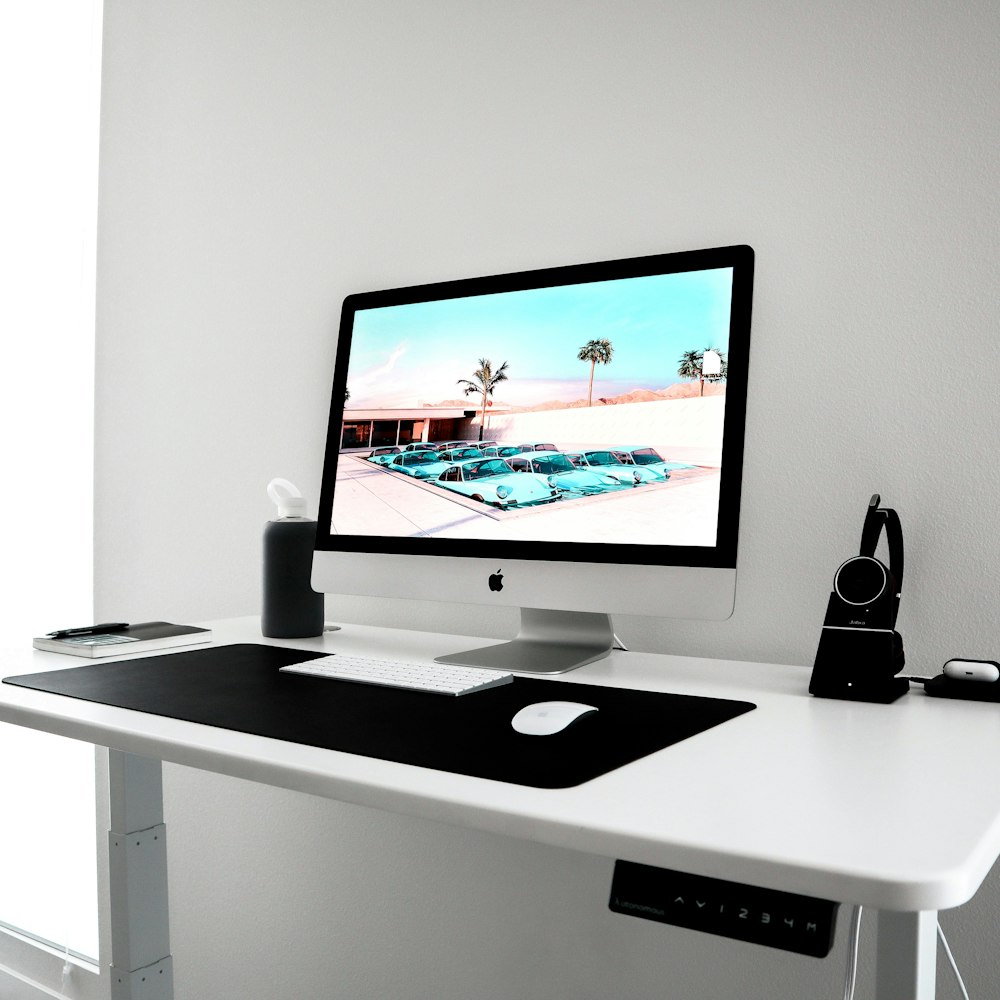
<point>569,479</point>
<point>648,458</point>
<point>446,445</point>
<point>492,481</point>
<point>418,464</point>
<point>501,450</point>
<point>460,454</point>
<point>383,456</point>
<point>603,460</point>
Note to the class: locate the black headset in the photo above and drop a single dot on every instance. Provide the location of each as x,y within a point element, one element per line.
<point>864,583</point>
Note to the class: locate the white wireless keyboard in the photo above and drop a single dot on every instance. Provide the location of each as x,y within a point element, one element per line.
<point>438,678</point>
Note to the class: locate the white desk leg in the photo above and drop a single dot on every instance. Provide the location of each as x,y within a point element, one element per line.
<point>141,967</point>
<point>906,956</point>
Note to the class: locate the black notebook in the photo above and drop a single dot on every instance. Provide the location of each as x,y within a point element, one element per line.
<point>131,639</point>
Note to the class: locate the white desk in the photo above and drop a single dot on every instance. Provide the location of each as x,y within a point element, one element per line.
<point>853,802</point>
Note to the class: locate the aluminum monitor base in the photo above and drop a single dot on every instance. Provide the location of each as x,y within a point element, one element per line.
<point>549,642</point>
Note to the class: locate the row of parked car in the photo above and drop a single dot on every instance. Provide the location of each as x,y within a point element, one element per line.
<point>527,474</point>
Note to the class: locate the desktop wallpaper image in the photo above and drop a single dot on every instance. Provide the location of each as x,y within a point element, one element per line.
<point>412,355</point>
<point>592,421</point>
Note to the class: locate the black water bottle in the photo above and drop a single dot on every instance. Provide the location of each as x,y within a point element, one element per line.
<point>291,608</point>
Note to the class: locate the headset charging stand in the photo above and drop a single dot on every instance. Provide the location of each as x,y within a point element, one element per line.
<point>856,667</point>
<point>860,652</point>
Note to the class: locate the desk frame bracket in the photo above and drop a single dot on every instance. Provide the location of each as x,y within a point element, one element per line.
<point>141,965</point>
<point>906,955</point>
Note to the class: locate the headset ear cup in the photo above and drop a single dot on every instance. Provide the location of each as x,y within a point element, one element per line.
<point>862,580</point>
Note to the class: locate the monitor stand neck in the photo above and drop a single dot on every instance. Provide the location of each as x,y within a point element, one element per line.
<point>549,642</point>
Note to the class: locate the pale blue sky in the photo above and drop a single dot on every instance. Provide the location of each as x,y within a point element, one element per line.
<point>414,354</point>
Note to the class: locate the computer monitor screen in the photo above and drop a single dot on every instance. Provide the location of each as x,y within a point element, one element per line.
<point>542,438</point>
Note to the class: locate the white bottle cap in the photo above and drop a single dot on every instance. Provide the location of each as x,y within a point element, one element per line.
<point>290,501</point>
<point>292,507</point>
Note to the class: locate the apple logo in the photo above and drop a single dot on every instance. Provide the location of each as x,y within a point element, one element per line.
<point>496,580</point>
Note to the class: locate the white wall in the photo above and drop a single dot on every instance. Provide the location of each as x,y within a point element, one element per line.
<point>261,160</point>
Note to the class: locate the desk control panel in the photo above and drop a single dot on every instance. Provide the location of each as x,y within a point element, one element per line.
<point>729,909</point>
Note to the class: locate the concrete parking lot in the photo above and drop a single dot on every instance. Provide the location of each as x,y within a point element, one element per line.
<point>372,501</point>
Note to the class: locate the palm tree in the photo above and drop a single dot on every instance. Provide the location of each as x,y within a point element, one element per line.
<point>596,352</point>
<point>484,380</point>
<point>690,367</point>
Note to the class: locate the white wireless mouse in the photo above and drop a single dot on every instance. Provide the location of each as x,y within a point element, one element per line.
<point>546,718</point>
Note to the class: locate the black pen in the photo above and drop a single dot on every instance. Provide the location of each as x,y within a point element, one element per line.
<point>89,630</point>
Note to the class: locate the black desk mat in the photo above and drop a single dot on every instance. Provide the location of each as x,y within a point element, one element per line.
<point>239,687</point>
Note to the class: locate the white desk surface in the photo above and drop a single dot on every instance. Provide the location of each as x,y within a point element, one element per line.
<point>895,807</point>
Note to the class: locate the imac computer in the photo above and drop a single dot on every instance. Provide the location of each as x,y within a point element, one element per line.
<point>567,441</point>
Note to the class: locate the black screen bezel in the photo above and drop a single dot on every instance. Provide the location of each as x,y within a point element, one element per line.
<point>723,554</point>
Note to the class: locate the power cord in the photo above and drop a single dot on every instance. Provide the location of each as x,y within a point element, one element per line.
<point>951,961</point>
<point>850,979</point>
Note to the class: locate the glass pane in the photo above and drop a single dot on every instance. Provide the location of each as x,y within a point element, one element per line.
<point>385,432</point>
<point>356,435</point>
<point>49,841</point>
<point>50,58</point>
